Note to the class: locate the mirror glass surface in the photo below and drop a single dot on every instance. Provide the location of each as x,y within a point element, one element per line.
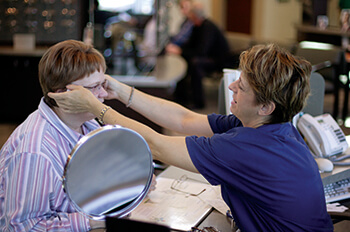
<point>109,172</point>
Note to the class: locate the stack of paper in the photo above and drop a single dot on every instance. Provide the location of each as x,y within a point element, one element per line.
<point>179,209</point>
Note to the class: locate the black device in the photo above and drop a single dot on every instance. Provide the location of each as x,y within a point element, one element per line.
<point>117,224</point>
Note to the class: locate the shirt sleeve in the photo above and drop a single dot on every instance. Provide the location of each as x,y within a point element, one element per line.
<point>184,33</point>
<point>223,123</point>
<point>236,153</point>
<point>34,200</point>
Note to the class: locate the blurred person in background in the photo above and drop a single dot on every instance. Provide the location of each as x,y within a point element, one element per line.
<point>206,51</point>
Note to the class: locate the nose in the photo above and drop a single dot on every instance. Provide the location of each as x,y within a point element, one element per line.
<point>233,86</point>
<point>102,93</point>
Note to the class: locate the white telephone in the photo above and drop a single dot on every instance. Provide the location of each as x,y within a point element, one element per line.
<point>322,134</point>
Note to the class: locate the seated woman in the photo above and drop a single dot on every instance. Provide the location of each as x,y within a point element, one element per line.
<point>267,174</point>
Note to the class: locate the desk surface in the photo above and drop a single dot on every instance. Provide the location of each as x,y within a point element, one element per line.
<point>337,169</point>
<point>215,218</point>
<point>220,221</point>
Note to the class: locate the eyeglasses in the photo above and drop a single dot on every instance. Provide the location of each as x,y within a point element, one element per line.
<point>180,184</point>
<point>95,89</point>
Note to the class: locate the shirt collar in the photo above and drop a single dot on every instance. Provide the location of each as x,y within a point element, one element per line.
<point>72,136</point>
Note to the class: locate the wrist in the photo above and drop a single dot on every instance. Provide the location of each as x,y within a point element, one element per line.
<point>129,102</point>
<point>95,107</point>
<point>102,114</point>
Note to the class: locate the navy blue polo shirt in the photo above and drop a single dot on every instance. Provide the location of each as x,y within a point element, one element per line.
<point>268,176</point>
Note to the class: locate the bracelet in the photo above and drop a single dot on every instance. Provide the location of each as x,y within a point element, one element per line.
<point>130,98</point>
<point>102,114</point>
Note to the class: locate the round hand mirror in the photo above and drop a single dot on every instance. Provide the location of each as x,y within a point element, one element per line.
<point>108,172</point>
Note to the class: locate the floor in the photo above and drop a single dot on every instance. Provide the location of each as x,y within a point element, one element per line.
<point>211,88</point>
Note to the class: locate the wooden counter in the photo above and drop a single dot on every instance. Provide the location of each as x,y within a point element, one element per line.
<point>10,51</point>
<point>332,35</point>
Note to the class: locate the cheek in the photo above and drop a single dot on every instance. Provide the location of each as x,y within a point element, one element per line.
<point>245,101</point>
<point>240,97</point>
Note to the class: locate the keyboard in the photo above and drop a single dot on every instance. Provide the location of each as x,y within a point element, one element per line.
<point>337,186</point>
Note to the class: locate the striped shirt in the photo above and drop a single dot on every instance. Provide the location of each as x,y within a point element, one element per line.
<point>31,168</point>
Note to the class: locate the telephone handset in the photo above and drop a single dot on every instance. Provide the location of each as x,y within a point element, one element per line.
<point>230,75</point>
<point>322,134</point>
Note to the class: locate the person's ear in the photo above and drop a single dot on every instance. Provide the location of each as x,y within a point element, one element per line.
<point>267,109</point>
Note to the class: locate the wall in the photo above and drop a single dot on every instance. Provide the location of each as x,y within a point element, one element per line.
<point>272,20</point>
<point>276,21</point>
<point>218,13</point>
<point>333,13</point>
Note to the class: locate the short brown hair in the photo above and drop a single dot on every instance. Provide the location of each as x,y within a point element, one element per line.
<point>275,75</point>
<point>66,62</point>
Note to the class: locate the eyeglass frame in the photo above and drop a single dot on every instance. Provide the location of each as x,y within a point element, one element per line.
<point>205,229</point>
<point>182,179</point>
<point>96,88</point>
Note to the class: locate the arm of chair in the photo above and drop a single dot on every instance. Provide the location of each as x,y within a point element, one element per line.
<point>322,65</point>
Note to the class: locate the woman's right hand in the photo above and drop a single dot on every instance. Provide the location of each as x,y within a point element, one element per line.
<point>112,88</point>
<point>117,90</point>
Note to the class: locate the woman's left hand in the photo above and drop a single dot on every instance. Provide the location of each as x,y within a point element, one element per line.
<point>76,100</point>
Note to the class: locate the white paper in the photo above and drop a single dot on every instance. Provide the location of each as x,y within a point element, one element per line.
<point>336,207</point>
<point>179,211</point>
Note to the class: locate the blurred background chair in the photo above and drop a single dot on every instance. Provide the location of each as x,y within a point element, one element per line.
<point>314,105</point>
<point>221,98</point>
<point>329,61</point>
